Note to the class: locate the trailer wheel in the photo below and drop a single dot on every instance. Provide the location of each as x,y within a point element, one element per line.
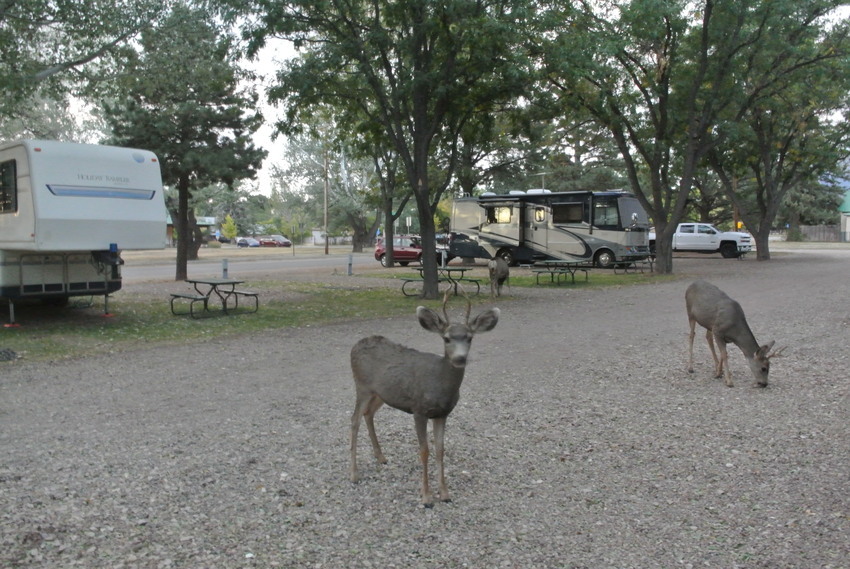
<point>604,259</point>
<point>507,255</point>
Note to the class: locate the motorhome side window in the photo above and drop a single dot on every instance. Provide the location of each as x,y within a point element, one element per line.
<point>567,213</point>
<point>498,214</point>
<point>605,213</point>
<point>8,187</point>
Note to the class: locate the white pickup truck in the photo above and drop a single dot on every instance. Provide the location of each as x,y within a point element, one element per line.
<point>705,238</point>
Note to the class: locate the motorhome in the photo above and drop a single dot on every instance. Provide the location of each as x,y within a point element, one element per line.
<point>67,211</point>
<point>603,228</point>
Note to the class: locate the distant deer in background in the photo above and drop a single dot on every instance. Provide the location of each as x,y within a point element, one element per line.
<point>423,384</point>
<point>499,274</point>
<point>724,321</point>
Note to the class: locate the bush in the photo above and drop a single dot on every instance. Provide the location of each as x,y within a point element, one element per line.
<point>795,235</point>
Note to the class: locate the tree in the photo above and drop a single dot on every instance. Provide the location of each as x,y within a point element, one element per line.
<point>325,155</point>
<point>228,228</point>
<point>48,48</point>
<point>661,81</point>
<point>417,70</point>
<point>791,134</point>
<point>181,98</point>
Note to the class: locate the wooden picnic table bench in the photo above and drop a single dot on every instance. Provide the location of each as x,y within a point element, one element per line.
<point>635,266</point>
<point>224,290</point>
<point>557,269</point>
<point>455,276</point>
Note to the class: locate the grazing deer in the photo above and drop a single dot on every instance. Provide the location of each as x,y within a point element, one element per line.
<point>724,321</point>
<point>499,273</point>
<point>423,384</point>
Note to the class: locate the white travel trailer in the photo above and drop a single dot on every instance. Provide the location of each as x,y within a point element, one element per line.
<point>67,210</point>
<point>602,228</point>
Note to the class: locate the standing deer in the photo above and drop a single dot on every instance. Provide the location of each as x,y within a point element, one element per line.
<point>724,321</point>
<point>423,384</point>
<point>499,273</point>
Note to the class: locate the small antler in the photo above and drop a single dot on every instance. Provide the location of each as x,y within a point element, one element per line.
<point>445,302</point>
<point>776,353</point>
<point>468,304</point>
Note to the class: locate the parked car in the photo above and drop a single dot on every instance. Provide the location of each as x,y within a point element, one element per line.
<point>247,242</point>
<point>406,249</point>
<point>275,241</point>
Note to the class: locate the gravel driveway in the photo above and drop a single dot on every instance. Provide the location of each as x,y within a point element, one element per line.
<point>579,442</point>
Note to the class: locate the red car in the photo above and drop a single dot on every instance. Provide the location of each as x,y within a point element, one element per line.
<point>275,241</point>
<point>406,249</point>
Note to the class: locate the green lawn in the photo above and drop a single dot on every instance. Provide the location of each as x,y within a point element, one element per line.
<point>46,333</point>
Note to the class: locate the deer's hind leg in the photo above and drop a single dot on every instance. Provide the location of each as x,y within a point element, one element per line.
<point>365,407</point>
<point>375,403</point>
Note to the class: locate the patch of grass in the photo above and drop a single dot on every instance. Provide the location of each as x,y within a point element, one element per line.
<point>139,319</point>
<point>50,333</point>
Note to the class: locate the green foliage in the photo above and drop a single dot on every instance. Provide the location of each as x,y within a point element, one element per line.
<point>181,96</point>
<point>402,74</point>
<point>42,41</point>
<point>228,227</point>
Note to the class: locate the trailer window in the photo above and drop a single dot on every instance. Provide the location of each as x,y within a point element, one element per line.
<point>567,213</point>
<point>8,187</point>
<point>540,214</point>
<point>498,214</point>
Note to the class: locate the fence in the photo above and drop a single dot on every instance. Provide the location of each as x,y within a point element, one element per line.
<point>824,233</point>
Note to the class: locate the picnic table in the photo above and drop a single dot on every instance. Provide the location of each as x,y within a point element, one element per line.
<point>635,266</point>
<point>221,289</point>
<point>559,268</point>
<point>455,276</point>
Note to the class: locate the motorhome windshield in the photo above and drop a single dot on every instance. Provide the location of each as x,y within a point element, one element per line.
<point>630,206</point>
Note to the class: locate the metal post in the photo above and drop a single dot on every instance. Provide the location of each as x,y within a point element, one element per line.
<point>350,262</point>
<point>224,268</point>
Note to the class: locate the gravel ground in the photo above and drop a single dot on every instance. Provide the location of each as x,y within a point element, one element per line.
<point>579,441</point>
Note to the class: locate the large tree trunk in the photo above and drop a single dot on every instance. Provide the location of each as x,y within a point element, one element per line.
<point>389,232</point>
<point>197,237</point>
<point>427,230</point>
<point>762,237</point>
<point>664,248</point>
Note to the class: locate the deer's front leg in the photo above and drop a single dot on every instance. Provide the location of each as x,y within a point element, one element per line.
<point>439,440</point>
<point>724,361</point>
<point>422,434</point>
<point>691,346</point>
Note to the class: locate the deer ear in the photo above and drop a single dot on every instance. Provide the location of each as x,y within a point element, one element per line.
<point>430,320</point>
<point>485,321</point>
